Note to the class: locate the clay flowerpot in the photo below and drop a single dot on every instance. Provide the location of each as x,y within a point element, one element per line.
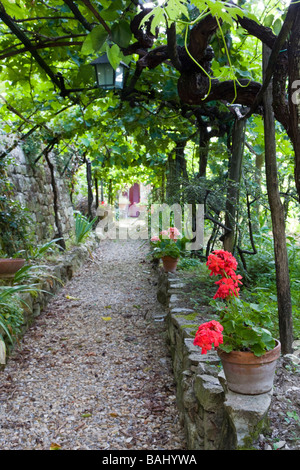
<point>248,374</point>
<point>169,264</point>
<point>9,266</point>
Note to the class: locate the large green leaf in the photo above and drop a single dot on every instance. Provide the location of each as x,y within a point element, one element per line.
<point>14,9</point>
<point>112,12</point>
<point>114,55</point>
<point>94,40</point>
<point>121,33</point>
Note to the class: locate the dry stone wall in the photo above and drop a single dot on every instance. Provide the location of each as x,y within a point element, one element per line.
<point>213,417</point>
<point>33,189</point>
<point>57,274</point>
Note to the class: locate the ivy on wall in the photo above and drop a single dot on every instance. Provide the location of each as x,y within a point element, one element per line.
<point>13,219</point>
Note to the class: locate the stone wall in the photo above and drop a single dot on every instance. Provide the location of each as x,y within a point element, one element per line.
<point>213,417</point>
<point>56,275</point>
<point>33,189</point>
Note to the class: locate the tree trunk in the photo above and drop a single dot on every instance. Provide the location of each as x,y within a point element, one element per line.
<point>259,161</point>
<point>162,192</point>
<point>176,168</point>
<point>171,177</point>
<point>97,193</point>
<point>180,160</point>
<point>89,185</point>
<point>203,151</point>
<point>278,223</point>
<point>233,190</point>
<point>294,92</point>
<point>110,194</point>
<point>102,191</point>
<point>60,235</point>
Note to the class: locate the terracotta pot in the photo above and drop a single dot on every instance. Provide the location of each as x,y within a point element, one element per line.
<point>248,374</point>
<point>169,264</point>
<point>9,266</point>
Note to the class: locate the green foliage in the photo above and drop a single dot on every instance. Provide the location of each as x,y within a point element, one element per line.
<point>94,40</point>
<point>125,138</point>
<point>14,219</point>
<point>188,263</point>
<point>261,266</point>
<point>38,251</point>
<point>26,280</point>
<point>165,246</point>
<point>32,147</point>
<point>245,326</point>
<point>262,278</point>
<point>82,227</point>
<point>11,315</point>
<point>13,223</point>
<point>121,33</point>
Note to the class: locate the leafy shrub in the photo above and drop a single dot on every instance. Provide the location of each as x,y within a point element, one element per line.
<point>82,227</point>
<point>14,219</point>
<point>11,318</point>
<point>189,263</point>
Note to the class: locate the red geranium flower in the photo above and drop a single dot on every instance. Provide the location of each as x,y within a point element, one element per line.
<point>221,262</point>
<point>209,334</point>
<point>227,288</point>
<point>215,264</point>
<point>236,278</point>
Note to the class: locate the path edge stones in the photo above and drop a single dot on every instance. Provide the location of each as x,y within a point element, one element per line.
<point>60,272</point>
<point>213,417</point>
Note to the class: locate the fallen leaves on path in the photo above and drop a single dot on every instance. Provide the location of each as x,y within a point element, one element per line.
<point>85,380</point>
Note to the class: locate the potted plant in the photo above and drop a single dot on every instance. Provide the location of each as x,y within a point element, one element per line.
<point>167,247</point>
<point>245,345</point>
<point>9,266</point>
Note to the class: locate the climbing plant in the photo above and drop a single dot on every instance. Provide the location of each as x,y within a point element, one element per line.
<point>194,70</point>
<point>14,220</point>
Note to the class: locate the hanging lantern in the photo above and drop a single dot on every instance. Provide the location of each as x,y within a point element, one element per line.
<point>107,77</point>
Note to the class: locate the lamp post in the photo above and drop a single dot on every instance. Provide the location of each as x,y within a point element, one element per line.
<point>107,77</point>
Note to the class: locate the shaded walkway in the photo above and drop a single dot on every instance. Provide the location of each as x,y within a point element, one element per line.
<point>94,372</point>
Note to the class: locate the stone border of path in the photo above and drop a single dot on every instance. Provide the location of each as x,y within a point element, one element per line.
<point>63,270</point>
<point>213,417</point>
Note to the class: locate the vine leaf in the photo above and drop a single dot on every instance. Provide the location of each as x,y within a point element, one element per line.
<point>14,10</point>
<point>121,33</point>
<point>114,55</point>
<point>94,40</point>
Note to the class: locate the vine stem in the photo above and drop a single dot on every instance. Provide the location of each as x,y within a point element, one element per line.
<point>191,23</point>
<point>197,63</point>
<point>235,80</point>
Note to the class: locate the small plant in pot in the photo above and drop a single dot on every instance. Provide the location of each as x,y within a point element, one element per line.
<point>246,347</point>
<point>167,246</point>
<point>9,266</point>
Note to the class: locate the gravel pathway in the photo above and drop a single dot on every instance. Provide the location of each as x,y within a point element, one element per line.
<point>93,372</point>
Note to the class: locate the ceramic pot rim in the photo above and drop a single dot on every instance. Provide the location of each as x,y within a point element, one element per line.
<point>15,260</point>
<point>247,357</point>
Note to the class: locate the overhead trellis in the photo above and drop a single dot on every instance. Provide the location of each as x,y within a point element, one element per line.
<point>63,36</point>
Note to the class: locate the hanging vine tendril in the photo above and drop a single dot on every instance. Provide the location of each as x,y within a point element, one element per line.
<point>192,23</point>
